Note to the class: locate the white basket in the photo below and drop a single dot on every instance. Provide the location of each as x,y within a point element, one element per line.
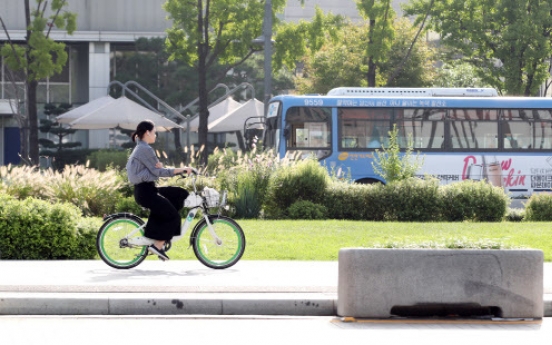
<point>211,196</point>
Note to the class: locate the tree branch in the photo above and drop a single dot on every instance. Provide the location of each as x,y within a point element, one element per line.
<point>399,68</point>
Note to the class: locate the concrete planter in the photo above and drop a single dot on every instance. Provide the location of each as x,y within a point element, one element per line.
<point>381,283</point>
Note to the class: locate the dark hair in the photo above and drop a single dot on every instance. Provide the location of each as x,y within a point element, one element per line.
<point>143,127</point>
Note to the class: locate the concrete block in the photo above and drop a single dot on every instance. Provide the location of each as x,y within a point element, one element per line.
<point>372,282</point>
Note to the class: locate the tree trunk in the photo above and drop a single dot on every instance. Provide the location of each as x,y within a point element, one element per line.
<point>33,121</point>
<point>371,75</point>
<point>203,108</point>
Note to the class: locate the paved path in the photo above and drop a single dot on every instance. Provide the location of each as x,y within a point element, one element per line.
<point>177,287</point>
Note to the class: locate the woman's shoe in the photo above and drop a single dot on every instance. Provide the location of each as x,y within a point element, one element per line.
<point>159,252</point>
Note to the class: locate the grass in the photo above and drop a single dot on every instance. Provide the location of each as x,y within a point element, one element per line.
<point>321,240</point>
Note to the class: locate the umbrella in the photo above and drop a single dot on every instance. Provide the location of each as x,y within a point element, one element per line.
<point>121,113</point>
<point>85,109</point>
<point>235,120</point>
<point>216,111</point>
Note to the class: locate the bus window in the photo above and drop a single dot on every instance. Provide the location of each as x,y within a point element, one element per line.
<point>473,129</point>
<point>425,127</point>
<point>361,128</point>
<point>516,128</point>
<point>309,128</point>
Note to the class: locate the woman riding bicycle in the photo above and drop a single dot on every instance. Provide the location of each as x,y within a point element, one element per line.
<point>144,169</point>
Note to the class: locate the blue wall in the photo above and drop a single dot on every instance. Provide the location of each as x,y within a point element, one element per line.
<point>11,145</point>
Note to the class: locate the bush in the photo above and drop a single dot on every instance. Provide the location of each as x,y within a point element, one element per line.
<point>39,230</point>
<point>344,200</point>
<point>304,209</point>
<point>539,208</point>
<point>93,192</point>
<point>103,159</point>
<point>306,180</point>
<point>515,214</point>
<point>412,199</point>
<point>128,204</point>
<point>473,200</point>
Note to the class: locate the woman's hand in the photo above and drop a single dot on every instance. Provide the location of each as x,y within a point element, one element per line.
<point>186,170</point>
<point>158,165</point>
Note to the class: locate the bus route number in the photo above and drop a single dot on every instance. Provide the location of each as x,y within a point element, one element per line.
<point>314,102</point>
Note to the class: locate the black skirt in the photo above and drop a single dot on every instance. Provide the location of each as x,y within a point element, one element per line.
<point>164,204</point>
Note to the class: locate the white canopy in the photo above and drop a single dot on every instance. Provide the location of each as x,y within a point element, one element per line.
<point>217,111</point>
<point>85,109</point>
<point>235,120</point>
<point>121,112</point>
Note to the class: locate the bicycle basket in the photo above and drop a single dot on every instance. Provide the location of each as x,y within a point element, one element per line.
<point>211,196</point>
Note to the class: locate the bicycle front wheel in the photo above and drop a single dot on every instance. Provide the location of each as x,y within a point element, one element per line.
<point>223,253</point>
<point>112,242</point>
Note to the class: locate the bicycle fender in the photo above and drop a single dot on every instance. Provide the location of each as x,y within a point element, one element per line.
<point>200,224</point>
<point>121,215</point>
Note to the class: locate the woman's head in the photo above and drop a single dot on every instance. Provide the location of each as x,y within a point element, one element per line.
<point>145,131</point>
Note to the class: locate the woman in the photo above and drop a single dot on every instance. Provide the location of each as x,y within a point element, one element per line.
<point>144,169</point>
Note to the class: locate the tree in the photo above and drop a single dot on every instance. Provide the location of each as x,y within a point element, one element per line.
<point>380,16</point>
<point>206,32</point>
<point>39,57</point>
<point>341,61</point>
<point>508,41</point>
<point>49,125</point>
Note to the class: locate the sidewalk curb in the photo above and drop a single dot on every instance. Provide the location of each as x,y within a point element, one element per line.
<point>295,304</point>
<point>289,304</point>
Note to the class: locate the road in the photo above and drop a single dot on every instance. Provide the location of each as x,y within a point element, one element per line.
<point>84,330</point>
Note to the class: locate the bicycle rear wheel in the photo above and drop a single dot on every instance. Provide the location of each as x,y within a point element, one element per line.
<point>112,242</point>
<point>228,251</point>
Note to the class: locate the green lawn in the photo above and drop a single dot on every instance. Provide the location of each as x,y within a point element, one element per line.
<point>321,240</point>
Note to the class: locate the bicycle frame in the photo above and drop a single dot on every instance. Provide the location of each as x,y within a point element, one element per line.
<point>144,241</point>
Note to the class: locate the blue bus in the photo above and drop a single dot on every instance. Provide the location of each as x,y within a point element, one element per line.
<point>461,133</point>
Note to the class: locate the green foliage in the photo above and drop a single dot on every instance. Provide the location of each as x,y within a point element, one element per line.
<point>128,204</point>
<point>474,200</point>
<point>539,208</point>
<point>412,199</point>
<point>344,200</point>
<point>306,180</point>
<point>103,159</point>
<point>515,215</point>
<point>34,229</point>
<point>516,33</point>
<point>247,181</point>
<point>221,160</point>
<point>304,209</point>
<point>393,166</point>
<point>458,74</point>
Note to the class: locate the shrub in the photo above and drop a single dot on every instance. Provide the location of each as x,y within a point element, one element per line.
<point>515,214</point>
<point>344,200</point>
<point>247,181</point>
<point>473,200</point>
<point>539,207</point>
<point>93,192</point>
<point>22,181</point>
<point>412,199</point>
<point>304,209</point>
<point>128,204</point>
<point>103,159</point>
<point>39,230</point>
<point>306,180</point>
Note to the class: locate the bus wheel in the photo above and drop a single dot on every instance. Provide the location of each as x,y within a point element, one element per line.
<point>368,181</point>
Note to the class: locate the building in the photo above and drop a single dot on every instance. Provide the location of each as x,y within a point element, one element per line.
<point>102,27</point>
